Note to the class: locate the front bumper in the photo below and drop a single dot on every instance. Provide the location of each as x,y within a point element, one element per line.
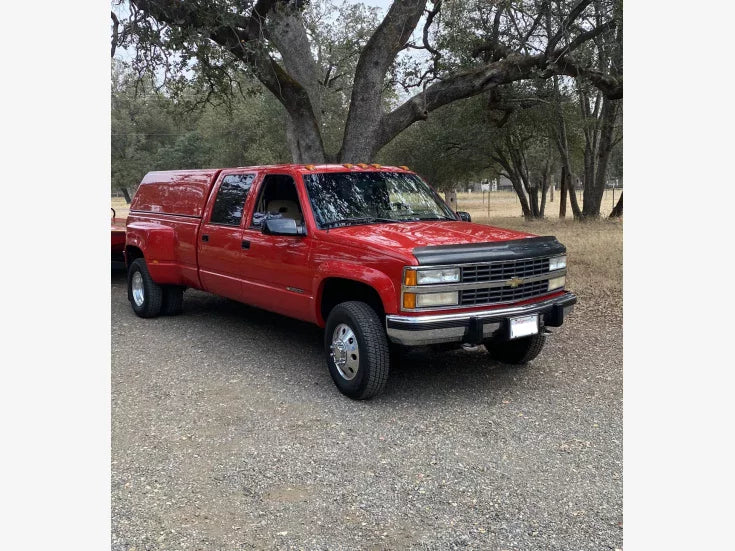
<point>474,327</point>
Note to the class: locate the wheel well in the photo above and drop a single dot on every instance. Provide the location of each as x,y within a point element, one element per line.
<point>131,253</point>
<point>338,290</point>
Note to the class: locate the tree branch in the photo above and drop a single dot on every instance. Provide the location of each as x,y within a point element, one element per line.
<point>577,9</point>
<point>611,86</point>
<point>115,30</point>
<point>379,52</point>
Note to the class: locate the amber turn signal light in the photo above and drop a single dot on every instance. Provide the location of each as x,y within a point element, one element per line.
<point>409,300</point>
<point>410,277</point>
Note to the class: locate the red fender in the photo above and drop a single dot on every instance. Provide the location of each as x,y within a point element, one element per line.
<point>157,243</point>
<point>354,271</point>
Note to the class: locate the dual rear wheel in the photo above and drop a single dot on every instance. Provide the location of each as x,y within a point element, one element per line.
<point>148,298</point>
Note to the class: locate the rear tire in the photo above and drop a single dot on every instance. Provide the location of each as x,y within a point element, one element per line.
<point>357,352</point>
<point>173,300</point>
<point>145,295</point>
<point>516,351</point>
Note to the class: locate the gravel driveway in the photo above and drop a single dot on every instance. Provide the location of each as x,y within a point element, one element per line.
<point>228,433</point>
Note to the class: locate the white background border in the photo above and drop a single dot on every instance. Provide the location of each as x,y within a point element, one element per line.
<point>55,391</point>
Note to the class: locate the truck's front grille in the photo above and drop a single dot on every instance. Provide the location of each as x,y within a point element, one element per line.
<point>506,269</point>
<point>505,281</point>
<point>472,297</point>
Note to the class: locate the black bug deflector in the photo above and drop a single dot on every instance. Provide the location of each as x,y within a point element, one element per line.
<point>514,249</point>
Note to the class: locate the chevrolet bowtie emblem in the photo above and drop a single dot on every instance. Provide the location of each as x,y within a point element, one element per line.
<point>515,282</point>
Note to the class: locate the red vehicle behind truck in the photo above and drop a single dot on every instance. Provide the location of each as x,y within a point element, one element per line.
<point>372,254</point>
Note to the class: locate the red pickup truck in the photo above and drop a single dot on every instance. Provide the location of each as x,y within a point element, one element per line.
<point>372,254</point>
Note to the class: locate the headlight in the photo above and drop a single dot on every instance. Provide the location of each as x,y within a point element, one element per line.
<point>557,282</point>
<point>437,299</point>
<point>428,277</point>
<point>557,262</point>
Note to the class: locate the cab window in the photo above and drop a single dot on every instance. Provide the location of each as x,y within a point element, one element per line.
<point>278,197</point>
<point>230,201</point>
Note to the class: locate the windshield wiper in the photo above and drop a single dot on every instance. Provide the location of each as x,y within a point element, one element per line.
<point>435,218</point>
<point>363,220</point>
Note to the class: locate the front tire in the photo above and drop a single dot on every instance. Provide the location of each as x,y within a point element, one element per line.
<point>145,295</point>
<point>357,351</point>
<point>516,351</point>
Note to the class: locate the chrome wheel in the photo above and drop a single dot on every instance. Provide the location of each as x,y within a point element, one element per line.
<point>345,352</point>
<point>137,289</point>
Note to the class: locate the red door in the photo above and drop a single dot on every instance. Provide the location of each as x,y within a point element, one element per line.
<point>220,248</point>
<point>278,275</point>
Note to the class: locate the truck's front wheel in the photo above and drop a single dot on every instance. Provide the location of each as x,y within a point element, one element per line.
<point>357,350</point>
<point>516,351</point>
<point>145,295</point>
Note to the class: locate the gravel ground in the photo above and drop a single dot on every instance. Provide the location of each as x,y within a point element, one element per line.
<point>228,433</point>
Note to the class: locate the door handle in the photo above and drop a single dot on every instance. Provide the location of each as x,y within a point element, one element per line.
<point>205,237</point>
<point>245,244</point>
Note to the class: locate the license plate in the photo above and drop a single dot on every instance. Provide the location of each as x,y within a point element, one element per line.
<point>524,326</point>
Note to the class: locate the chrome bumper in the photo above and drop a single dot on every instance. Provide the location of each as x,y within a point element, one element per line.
<point>473,327</point>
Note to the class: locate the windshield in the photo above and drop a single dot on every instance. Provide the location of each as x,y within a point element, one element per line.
<point>347,198</point>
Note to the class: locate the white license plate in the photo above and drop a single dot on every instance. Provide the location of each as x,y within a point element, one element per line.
<point>524,326</point>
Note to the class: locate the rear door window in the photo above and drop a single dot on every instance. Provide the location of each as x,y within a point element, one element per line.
<point>230,201</point>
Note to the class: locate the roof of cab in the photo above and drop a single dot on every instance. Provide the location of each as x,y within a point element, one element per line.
<point>307,168</point>
<point>185,192</point>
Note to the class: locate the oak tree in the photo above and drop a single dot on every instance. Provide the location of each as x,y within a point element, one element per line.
<point>467,48</point>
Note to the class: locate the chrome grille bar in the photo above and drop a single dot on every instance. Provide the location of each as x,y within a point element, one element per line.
<point>505,269</point>
<point>500,281</point>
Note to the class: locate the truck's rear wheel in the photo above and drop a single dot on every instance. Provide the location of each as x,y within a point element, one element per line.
<point>357,350</point>
<point>145,295</point>
<point>516,351</point>
<point>173,300</point>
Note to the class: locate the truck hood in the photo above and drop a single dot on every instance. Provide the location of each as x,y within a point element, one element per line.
<point>403,237</point>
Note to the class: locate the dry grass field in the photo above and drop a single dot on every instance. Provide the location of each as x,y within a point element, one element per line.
<point>595,248</point>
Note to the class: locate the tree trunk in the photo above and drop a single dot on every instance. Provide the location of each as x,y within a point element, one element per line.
<point>562,144</point>
<point>126,194</point>
<point>576,211</point>
<point>518,187</point>
<point>451,198</point>
<point>563,183</point>
<point>535,207</point>
<point>530,188</point>
<point>593,195</point>
<point>552,188</point>
<point>544,188</point>
<point>533,201</point>
<point>617,211</point>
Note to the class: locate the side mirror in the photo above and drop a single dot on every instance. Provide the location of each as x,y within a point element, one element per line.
<point>281,226</point>
<point>464,216</point>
